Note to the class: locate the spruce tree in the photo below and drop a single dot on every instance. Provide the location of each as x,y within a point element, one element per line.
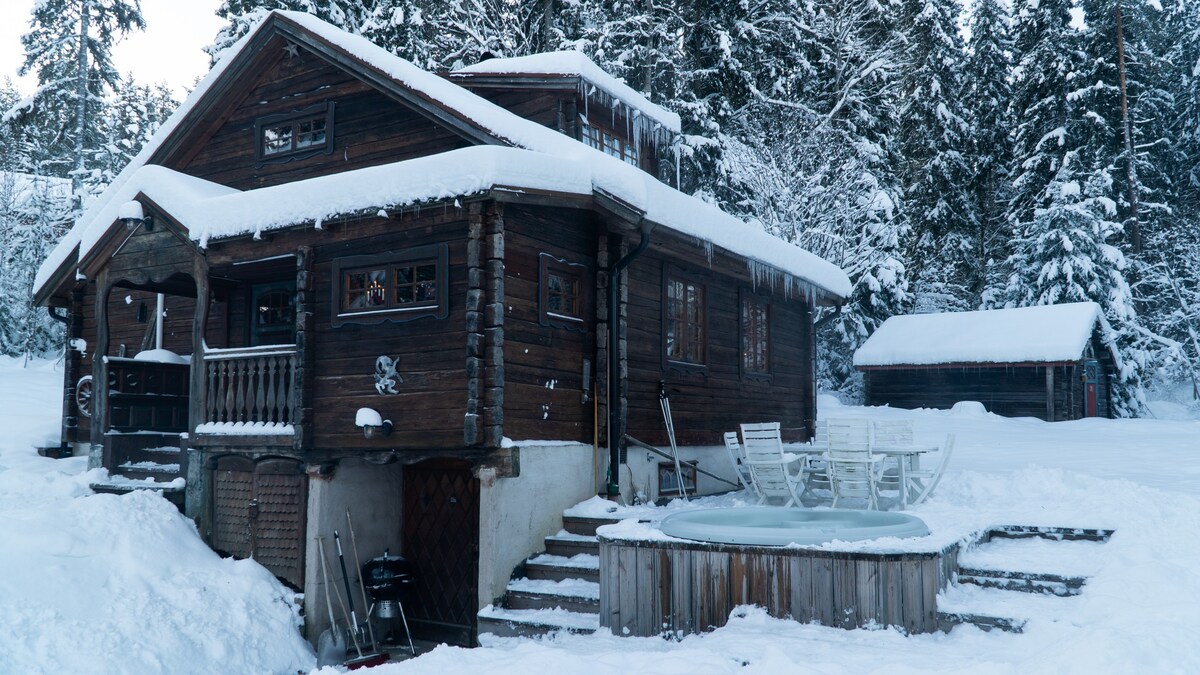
<point>987,91</point>
<point>69,47</point>
<point>933,143</point>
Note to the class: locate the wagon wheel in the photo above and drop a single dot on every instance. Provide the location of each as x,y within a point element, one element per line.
<point>83,396</point>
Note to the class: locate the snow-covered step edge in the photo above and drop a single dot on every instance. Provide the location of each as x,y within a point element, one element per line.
<point>1037,556</point>
<point>551,619</point>
<point>567,588</point>
<point>1017,605</point>
<point>563,535</point>
<point>149,467</point>
<point>584,561</point>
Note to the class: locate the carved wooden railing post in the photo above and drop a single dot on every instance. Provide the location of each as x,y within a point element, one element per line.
<point>255,385</point>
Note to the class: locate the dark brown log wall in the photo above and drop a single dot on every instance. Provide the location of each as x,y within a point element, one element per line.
<point>544,364</point>
<point>704,406</point>
<point>1016,391</point>
<point>369,128</point>
<point>428,411</point>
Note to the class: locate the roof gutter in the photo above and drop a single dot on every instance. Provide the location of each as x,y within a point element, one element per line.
<point>616,418</point>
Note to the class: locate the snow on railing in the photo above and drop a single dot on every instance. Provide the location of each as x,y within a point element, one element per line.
<point>253,388</point>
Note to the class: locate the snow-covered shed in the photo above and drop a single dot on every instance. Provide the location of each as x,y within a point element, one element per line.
<point>385,293</point>
<point>1053,362</point>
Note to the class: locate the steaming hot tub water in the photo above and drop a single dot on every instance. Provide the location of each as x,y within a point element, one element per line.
<point>774,526</point>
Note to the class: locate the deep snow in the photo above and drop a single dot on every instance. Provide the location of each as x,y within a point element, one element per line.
<point>97,583</point>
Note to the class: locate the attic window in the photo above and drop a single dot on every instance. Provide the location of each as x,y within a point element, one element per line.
<point>610,144</point>
<point>295,135</point>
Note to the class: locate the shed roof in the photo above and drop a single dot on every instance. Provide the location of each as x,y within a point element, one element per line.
<point>549,160</point>
<point>1042,334</point>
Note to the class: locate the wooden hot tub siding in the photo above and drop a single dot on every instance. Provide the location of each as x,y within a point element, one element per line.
<point>656,587</point>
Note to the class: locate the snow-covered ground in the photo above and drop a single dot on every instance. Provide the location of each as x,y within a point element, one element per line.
<point>105,584</point>
<point>97,583</point>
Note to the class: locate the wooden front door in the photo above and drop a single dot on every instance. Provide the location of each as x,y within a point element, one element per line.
<point>259,512</point>
<point>1091,386</point>
<point>441,541</point>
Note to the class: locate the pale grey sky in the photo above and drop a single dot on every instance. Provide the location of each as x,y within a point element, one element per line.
<point>169,50</point>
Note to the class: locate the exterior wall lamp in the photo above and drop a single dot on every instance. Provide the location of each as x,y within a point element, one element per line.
<point>372,423</point>
<point>132,214</point>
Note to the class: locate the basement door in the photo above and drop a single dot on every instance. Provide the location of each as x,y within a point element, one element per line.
<point>440,535</point>
<point>259,512</point>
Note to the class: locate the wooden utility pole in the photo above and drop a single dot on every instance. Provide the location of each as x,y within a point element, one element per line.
<point>1132,226</point>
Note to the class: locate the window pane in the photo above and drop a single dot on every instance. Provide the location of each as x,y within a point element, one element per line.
<point>277,139</point>
<point>312,132</point>
<point>376,291</point>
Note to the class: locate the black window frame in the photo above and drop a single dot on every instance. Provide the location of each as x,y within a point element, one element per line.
<point>747,296</point>
<point>294,119</point>
<point>551,265</point>
<point>672,274</point>
<point>438,254</point>
<point>258,334</point>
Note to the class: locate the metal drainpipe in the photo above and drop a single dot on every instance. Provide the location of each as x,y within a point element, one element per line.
<point>614,368</point>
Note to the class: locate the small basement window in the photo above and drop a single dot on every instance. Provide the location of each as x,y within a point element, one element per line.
<point>561,292</point>
<point>668,480</point>
<point>392,287</point>
<point>295,135</point>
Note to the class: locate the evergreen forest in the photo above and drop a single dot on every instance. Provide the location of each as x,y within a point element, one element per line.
<point>949,155</point>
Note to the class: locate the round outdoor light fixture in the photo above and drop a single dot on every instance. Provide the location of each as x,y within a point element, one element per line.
<point>132,214</point>
<point>372,423</point>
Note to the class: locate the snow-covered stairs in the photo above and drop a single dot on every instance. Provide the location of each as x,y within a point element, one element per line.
<point>555,590</point>
<point>144,461</point>
<point>1016,573</point>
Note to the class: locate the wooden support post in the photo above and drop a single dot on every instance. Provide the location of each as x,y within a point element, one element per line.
<point>1049,393</point>
<point>197,390</point>
<point>301,392</point>
<point>96,454</point>
<point>493,319</point>
<point>472,426</point>
<point>72,368</point>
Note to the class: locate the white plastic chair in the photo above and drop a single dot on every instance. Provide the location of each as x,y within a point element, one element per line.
<point>853,470</point>
<point>816,476</point>
<point>893,433</point>
<point>737,457</point>
<point>927,479</point>
<point>768,465</point>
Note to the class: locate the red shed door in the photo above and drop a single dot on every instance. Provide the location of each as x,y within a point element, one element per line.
<point>1091,386</point>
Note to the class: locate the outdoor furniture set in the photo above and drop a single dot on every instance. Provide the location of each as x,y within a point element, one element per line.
<point>854,459</point>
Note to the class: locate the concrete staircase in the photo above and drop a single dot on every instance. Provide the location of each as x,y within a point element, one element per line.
<point>1002,582</point>
<point>557,590</point>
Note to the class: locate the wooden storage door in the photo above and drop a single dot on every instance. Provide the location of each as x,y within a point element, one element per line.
<point>441,541</point>
<point>259,512</point>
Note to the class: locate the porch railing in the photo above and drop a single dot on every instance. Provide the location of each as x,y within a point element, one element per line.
<point>250,389</point>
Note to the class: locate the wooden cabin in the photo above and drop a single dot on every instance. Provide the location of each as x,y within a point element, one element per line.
<point>437,312</point>
<point>1053,362</point>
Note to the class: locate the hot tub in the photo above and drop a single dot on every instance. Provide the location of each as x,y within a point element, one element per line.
<point>772,526</point>
<point>717,559</point>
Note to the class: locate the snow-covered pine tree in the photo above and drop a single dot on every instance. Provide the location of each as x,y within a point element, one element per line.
<point>131,118</point>
<point>1046,57</point>
<point>69,47</point>
<point>1168,288</point>
<point>242,15</point>
<point>987,91</point>
<point>932,143</point>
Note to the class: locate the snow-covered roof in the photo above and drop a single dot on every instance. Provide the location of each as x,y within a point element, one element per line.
<point>1042,334</point>
<point>576,64</point>
<point>551,161</point>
